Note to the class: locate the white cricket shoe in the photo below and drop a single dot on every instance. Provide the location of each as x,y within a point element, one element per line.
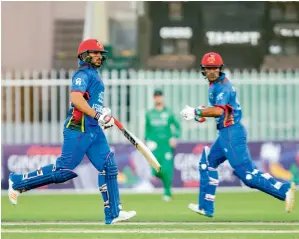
<point>290,198</point>
<point>12,194</point>
<point>123,216</point>
<point>194,208</point>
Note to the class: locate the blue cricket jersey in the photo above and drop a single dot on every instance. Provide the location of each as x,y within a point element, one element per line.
<point>87,81</point>
<point>224,95</point>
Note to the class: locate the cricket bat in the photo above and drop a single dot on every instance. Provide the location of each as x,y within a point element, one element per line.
<point>140,146</point>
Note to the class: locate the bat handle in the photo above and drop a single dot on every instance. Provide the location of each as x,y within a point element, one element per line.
<point>202,120</point>
<point>118,124</point>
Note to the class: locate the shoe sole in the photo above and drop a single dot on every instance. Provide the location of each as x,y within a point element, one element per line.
<point>290,204</point>
<point>11,195</point>
<point>198,211</point>
<point>123,219</point>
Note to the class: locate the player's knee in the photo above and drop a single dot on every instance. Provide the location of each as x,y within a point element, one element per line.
<point>213,176</point>
<point>247,177</point>
<point>59,175</point>
<point>110,166</point>
<point>63,175</point>
<point>208,174</point>
<point>203,167</point>
<point>203,163</point>
<point>62,163</point>
<point>47,169</point>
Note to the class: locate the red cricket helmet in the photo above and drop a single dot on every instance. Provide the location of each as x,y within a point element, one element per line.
<point>90,45</point>
<point>211,59</point>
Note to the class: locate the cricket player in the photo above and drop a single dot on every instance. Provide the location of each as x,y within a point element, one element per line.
<point>161,133</point>
<point>230,144</point>
<point>82,134</point>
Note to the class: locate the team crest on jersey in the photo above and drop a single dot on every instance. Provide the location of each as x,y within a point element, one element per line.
<point>168,156</point>
<point>220,96</point>
<point>164,115</point>
<point>78,81</point>
<point>211,96</point>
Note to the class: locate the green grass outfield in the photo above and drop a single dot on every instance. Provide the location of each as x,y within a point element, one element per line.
<point>238,215</point>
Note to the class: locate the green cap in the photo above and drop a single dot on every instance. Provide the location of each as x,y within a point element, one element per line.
<point>158,92</point>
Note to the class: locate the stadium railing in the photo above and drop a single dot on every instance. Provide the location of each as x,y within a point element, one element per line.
<point>35,105</point>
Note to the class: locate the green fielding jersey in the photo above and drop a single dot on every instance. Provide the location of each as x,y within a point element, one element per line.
<point>160,126</point>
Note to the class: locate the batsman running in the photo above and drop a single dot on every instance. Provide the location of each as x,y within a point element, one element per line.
<point>82,134</point>
<point>230,144</point>
<point>161,133</point>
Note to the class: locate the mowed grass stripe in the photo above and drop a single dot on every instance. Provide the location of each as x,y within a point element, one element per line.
<point>160,227</point>
<point>72,223</point>
<point>246,207</point>
<point>145,236</point>
<point>156,231</point>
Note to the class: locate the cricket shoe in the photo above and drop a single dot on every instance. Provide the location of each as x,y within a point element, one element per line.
<point>194,208</point>
<point>12,194</point>
<point>290,198</point>
<point>123,216</point>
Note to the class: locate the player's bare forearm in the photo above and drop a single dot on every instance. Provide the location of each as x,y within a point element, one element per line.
<point>212,112</point>
<point>81,104</point>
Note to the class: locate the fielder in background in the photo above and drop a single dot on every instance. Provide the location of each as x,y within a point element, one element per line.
<point>230,144</point>
<point>82,134</point>
<point>161,133</point>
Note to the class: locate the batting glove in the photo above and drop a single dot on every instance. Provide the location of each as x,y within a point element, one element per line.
<point>188,113</point>
<point>105,118</point>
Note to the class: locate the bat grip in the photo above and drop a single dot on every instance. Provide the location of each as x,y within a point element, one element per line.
<point>118,124</point>
<point>202,120</point>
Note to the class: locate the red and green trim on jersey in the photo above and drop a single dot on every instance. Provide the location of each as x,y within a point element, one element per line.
<point>76,122</point>
<point>229,114</point>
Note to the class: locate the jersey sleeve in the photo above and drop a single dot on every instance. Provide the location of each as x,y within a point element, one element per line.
<point>79,82</point>
<point>223,97</point>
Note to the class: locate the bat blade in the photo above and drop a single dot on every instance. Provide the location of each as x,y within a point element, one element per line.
<point>140,146</point>
<point>148,155</point>
<point>143,149</point>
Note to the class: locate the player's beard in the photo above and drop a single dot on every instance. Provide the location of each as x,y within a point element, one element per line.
<point>97,63</point>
